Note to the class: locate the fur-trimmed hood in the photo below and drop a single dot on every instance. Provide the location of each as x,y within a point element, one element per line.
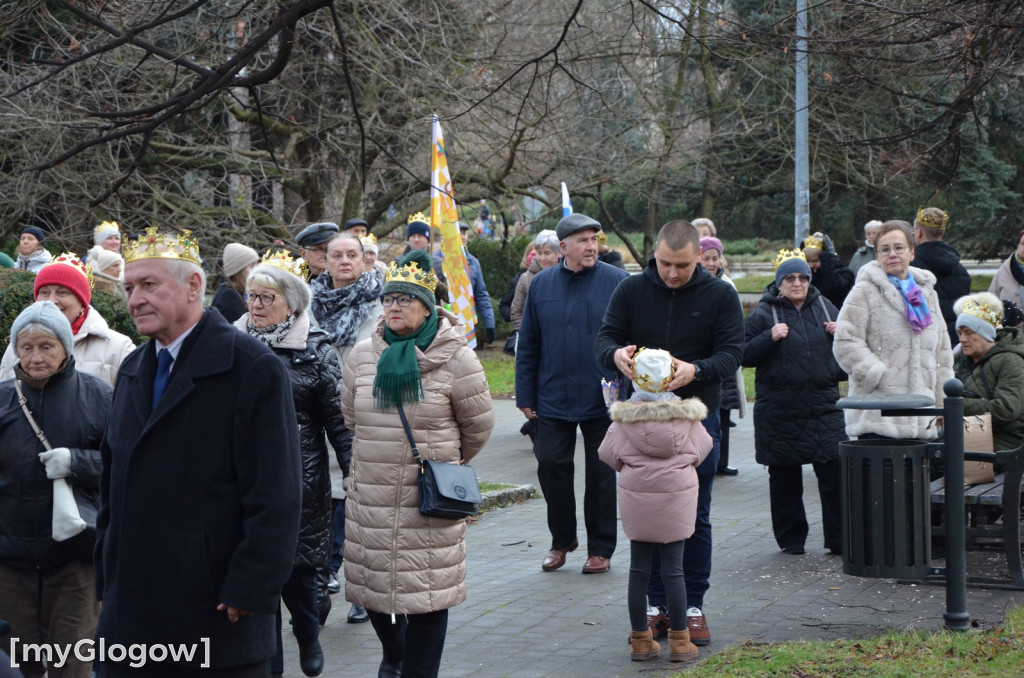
<point>691,409</point>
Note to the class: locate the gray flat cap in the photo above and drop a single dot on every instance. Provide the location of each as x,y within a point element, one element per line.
<point>314,234</point>
<point>574,223</point>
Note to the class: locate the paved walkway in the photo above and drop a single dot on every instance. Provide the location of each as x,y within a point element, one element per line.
<point>520,621</point>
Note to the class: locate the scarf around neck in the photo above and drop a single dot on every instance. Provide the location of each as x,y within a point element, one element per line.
<point>341,312</point>
<point>1017,269</point>
<point>398,372</point>
<point>915,306</point>
<point>271,336</point>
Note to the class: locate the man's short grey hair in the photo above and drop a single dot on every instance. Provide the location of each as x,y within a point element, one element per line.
<point>295,290</point>
<point>182,270</point>
<point>703,221</point>
<point>874,223</point>
<point>546,238</point>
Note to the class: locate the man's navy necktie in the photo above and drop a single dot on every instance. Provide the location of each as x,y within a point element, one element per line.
<point>163,373</point>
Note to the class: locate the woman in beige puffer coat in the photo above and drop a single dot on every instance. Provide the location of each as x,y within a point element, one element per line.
<point>406,569</point>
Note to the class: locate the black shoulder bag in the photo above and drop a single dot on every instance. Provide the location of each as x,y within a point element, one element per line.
<point>446,490</point>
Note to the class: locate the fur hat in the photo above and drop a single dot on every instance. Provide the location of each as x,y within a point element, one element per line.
<point>236,257</point>
<point>48,315</point>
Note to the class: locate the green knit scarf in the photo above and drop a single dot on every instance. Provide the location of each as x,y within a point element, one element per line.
<point>398,373</point>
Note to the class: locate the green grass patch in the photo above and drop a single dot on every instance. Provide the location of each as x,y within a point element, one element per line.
<point>980,282</point>
<point>488,486</point>
<point>995,652</point>
<point>500,370</point>
<point>753,284</point>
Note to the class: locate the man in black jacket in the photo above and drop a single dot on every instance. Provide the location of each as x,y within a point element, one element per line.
<point>678,306</point>
<point>936,256</point>
<point>200,492</point>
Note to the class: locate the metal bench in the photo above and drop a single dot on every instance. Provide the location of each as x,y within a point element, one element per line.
<point>984,506</point>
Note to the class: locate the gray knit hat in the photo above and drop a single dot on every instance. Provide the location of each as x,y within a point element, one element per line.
<point>49,316</point>
<point>236,257</point>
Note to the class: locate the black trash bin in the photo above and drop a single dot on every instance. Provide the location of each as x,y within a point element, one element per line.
<point>886,508</point>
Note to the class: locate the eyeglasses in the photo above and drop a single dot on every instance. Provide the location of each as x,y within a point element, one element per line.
<point>403,300</point>
<point>898,248</point>
<point>265,299</point>
<point>796,278</point>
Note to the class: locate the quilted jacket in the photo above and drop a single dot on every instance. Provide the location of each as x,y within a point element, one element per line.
<point>396,560</point>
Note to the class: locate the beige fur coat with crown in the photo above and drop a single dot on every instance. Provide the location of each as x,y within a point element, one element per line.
<point>876,347</point>
<point>656,448</point>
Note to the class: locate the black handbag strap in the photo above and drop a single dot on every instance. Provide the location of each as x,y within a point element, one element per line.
<point>412,441</point>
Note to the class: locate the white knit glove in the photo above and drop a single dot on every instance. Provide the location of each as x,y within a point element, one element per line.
<point>58,462</point>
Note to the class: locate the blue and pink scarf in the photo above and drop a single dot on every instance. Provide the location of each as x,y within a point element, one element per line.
<point>916,307</point>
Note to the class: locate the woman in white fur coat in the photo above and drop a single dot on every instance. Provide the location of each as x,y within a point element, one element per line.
<point>891,339</point>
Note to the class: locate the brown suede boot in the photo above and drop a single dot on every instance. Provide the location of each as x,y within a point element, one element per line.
<point>680,649</point>
<point>642,646</point>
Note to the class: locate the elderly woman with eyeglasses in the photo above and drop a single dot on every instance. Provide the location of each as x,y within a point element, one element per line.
<point>277,296</point>
<point>891,338</point>
<point>789,337</point>
<point>406,569</point>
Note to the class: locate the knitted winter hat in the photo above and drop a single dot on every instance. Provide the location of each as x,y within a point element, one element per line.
<point>788,262</point>
<point>101,259</point>
<point>104,231</point>
<point>68,271</point>
<point>710,243</point>
<point>236,257</point>
<point>412,274</point>
<point>36,232</point>
<point>48,315</point>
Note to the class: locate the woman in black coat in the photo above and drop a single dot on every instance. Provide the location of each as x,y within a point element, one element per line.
<point>789,338</point>
<point>276,297</point>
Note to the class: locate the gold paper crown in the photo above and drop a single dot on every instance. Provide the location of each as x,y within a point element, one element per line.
<point>419,216</point>
<point>931,220</point>
<point>785,254</point>
<point>816,241</point>
<point>69,259</point>
<point>368,239</point>
<point>989,314</point>
<point>286,262</point>
<point>411,273</point>
<point>151,245</point>
<point>644,380</point>
<point>602,237</point>
<point>106,226</point>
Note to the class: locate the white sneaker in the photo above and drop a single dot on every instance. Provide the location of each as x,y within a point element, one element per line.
<point>694,612</point>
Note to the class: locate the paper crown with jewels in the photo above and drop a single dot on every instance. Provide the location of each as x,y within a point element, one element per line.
<point>411,273</point>
<point>785,255</point>
<point>420,217</point>
<point>816,242</point>
<point>69,259</point>
<point>987,312</point>
<point>286,262</point>
<point>111,227</point>
<point>153,245</point>
<point>652,369</point>
<point>368,239</point>
<point>934,219</point>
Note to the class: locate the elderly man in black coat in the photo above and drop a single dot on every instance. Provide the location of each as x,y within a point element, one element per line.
<point>200,492</point>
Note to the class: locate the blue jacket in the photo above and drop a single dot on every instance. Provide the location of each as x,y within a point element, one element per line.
<point>557,373</point>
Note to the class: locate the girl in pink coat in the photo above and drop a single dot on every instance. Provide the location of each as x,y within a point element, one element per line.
<point>655,442</point>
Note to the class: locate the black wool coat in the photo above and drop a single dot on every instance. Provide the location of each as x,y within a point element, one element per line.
<point>796,420</point>
<point>199,498</point>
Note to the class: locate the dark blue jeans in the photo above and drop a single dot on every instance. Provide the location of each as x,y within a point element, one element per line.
<point>697,556</point>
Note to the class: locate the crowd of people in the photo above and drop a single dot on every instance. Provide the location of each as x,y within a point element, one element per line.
<point>261,448</point>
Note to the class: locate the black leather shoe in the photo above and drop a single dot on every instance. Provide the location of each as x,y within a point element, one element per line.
<point>728,471</point>
<point>388,670</point>
<point>357,615</point>
<point>311,658</point>
<point>333,585</point>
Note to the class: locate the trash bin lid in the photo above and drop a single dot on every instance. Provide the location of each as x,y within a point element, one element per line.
<point>885,402</point>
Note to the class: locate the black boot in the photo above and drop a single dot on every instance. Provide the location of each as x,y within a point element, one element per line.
<point>311,658</point>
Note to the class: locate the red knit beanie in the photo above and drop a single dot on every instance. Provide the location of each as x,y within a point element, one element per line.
<point>67,271</point>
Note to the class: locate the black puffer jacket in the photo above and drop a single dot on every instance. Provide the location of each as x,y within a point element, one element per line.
<point>315,374</point>
<point>796,420</point>
<point>952,279</point>
<point>833,280</point>
<point>72,409</point>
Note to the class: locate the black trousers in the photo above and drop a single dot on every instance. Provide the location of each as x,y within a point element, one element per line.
<point>299,595</point>
<point>789,521</point>
<point>554,449</point>
<point>415,642</point>
<point>723,449</point>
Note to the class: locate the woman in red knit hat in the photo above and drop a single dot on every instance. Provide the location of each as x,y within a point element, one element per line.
<point>98,350</point>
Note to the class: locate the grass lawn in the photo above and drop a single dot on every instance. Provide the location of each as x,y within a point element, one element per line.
<point>500,370</point>
<point>995,652</point>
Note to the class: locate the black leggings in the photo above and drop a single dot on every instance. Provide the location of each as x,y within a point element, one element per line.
<point>671,577</point>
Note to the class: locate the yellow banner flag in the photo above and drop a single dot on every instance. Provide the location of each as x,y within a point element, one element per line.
<point>444,217</point>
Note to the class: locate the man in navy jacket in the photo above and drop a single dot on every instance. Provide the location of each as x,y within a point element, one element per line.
<point>678,306</point>
<point>558,383</point>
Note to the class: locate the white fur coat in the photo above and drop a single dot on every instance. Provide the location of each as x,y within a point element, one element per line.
<point>879,351</point>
